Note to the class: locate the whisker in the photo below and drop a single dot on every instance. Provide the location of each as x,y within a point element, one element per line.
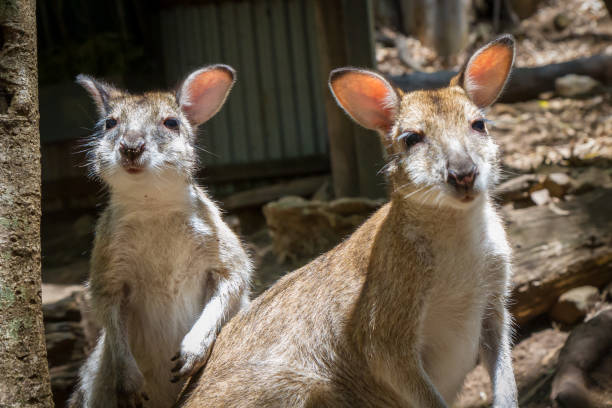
<point>426,195</point>
<point>414,192</point>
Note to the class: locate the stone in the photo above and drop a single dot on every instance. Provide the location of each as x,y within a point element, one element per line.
<point>516,189</point>
<point>540,197</point>
<point>572,85</point>
<point>557,184</point>
<point>573,305</point>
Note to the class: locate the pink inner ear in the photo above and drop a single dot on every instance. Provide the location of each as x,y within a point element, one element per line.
<point>366,98</point>
<point>486,74</point>
<point>204,94</point>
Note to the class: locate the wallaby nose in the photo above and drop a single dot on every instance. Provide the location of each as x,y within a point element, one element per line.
<point>463,178</point>
<point>132,150</point>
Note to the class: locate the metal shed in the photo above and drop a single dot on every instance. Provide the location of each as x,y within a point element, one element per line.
<point>280,122</point>
<point>279,111</point>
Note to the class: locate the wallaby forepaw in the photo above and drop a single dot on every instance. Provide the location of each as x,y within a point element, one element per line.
<point>193,355</point>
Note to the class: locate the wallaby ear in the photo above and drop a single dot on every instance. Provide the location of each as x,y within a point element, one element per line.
<point>100,91</point>
<point>202,94</point>
<point>487,71</point>
<point>366,96</point>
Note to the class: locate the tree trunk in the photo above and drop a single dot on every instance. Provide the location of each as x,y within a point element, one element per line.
<point>345,37</point>
<point>24,378</point>
<point>440,24</point>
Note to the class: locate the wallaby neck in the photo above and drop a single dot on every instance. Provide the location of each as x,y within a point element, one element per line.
<point>433,218</point>
<point>154,194</point>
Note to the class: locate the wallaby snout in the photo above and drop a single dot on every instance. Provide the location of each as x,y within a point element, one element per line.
<point>462,173</point>
<point>131,147</point>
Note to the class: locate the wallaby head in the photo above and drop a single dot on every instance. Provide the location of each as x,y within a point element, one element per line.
<point>439,149</point>
<point>152,134</point>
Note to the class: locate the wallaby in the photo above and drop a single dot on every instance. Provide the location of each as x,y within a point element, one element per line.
<point>395,315</point>
<point>166,271</point>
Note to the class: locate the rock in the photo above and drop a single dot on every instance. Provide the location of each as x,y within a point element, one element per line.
<point>540,197</point>
<point>516,189</point>
<point>573,85</point>
<point>557,184</point>
<point>577,382</point>
<point>574,304</point>
<point>561,22</point>
<point>302,228</point>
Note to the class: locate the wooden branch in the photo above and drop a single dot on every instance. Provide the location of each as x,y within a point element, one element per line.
<point>525,83</point>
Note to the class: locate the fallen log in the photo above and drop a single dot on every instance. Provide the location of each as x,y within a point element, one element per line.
<point>555,251</point>
<point>298,187</point>
<point>525,83</point>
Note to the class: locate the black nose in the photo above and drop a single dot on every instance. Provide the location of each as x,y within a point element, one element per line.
<point>463,178</point>
<point>132,151</point>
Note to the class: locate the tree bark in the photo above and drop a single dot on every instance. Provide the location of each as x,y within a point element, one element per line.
<point>440,24</point>
<point>24,378</point>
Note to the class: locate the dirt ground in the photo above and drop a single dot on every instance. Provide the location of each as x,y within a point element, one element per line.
<point>539,42</point>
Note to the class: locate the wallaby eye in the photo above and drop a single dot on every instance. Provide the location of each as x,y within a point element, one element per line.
<point>411,138</point>
<point>110,123</point>
<point>171,123</point>
<point>479,126</point>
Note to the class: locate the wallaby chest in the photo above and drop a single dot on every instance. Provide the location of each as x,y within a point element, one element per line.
<point>159,253</point>
<point>465,267</point>
<point>164,270</point>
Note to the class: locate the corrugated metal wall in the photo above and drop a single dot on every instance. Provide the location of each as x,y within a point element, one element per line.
<point>276,109</point>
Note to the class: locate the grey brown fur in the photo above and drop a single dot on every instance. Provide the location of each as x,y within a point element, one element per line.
<point>166,271</point>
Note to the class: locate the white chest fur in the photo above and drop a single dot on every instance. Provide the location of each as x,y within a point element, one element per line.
<point>162,259</point>
<point>466,260</point>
